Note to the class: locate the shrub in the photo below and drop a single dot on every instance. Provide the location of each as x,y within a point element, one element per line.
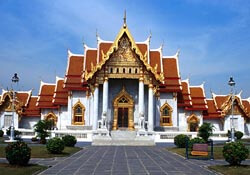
<point>1,133</point>
<point>205,131</point>
<point>180,140</point>
<point>16,132</point>
<point>69,140</point>
<point>195,140</point>
<point>235,152</point>
<point>42,127</point>
<point>238,135</point>
<point>55,145</point>
<point>18,153</point>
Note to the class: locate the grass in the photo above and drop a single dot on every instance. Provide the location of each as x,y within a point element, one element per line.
<point>217,152</point>
<point>231,170</point>
<point>20,170</point>
<point>41,152</point>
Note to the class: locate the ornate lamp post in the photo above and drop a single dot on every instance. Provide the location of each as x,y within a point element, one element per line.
<point>14,79</point>
<point>231,83</point>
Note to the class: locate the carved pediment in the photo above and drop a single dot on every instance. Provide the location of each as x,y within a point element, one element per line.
<point>124,52</point>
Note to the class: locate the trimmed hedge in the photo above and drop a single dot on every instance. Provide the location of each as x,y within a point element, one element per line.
<point>195,140</point>
<point>238,135</point>
<point>18,153</point>
<point>235,152</point>
<point>55,145</point>
<point>180,140</point>
<point>69,140</point>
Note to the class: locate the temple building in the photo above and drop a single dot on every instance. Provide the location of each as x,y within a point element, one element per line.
<point>124,85</point>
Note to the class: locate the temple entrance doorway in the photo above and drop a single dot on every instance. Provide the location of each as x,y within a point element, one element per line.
<point>193,123</point>
<point>123,105</point>
<point>122,117</point>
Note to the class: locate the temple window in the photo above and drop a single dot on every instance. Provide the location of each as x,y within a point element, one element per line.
<point>117,70</point>
<point>111,70</point>
<point>129,70</point>
<point>78,114</point>
<point>124,71</point>
<point>166,115</point>
<point>135,71</point>
<point>53,120</point>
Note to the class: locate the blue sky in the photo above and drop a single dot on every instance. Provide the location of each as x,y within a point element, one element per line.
<point>213,36</point>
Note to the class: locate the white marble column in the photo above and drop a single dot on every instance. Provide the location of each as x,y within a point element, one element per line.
<point>105,96</point>
<point>105,103</point>
<point>150,108</point>
<point>141,122</point>
<point>95,117</point>
<point>141,96</point>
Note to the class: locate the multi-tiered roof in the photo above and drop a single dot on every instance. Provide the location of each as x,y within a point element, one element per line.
<point>81,68</point>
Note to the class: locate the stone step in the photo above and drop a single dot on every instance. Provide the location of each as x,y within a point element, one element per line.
<point>123,135</point>
<point>123,142</point>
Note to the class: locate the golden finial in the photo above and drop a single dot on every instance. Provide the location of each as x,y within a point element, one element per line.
<point>124,19</point>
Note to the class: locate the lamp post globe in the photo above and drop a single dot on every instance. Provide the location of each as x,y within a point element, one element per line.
<point>232,83</point>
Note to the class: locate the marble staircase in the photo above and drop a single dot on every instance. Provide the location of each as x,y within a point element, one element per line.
<point>124,137</point>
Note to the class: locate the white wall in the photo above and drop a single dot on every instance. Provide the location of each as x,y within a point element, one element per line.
<point>2,115</point>
<point>168,98</point>
<point>64,118</point>
<point>28,122</point>
<point>238,123</point>
<point>182,120</point>
<point>216,123</point>
<point>183,116</point>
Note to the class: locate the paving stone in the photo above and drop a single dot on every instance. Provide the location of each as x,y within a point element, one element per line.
<point>125,160</point>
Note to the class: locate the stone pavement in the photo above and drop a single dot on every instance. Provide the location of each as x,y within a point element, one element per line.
<point>124,160</point>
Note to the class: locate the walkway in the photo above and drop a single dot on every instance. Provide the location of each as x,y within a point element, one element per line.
<point>106,160</point>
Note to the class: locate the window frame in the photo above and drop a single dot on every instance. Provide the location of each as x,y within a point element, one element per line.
<point>162,116</point>
<point>77,116</point>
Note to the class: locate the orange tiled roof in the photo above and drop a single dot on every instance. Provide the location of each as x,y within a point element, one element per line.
<point>198,98</point>
<point>246,104</point>
<point>32,110</point>
<point>155,59</point>
<point>143,48</point>
<point>171,75</point>
<point>103,47</point>
<point>60,95</point>
<point>184,98</point>
<point>23,98</point>
<point>220,100</point>
<point>212,112</point>
<point>74,72</point>
<point>91,59</point>
<point>46,96</point>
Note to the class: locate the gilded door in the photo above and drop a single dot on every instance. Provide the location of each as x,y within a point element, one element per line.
<point>123,105</point>
<point>122,117</point>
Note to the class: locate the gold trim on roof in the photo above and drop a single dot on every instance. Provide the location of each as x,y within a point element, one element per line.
<point>114,47</point>
<point>227,105</point>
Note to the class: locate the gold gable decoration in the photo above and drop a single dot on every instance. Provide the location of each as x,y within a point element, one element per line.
<point>124,31</point>
<point>238,107</point>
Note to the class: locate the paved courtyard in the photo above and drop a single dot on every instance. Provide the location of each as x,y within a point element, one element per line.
<point>125,160</point>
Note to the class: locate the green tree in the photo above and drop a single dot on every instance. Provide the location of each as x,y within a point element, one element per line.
<point>42,127</point>
<point>205,131</point>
